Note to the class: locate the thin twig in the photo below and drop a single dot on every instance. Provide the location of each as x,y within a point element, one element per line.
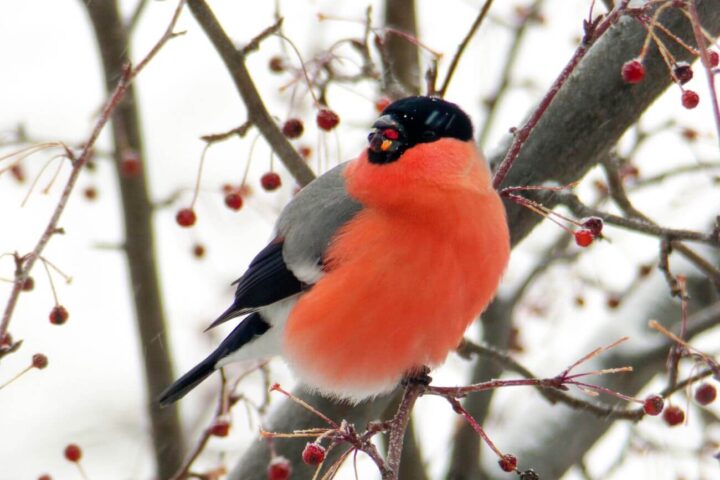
<point>257,112</point>
<point>463,45</point>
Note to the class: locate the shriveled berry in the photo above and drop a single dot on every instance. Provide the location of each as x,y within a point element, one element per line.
<point>198,250</point>
<point>705,393</point>
<point>714,58</point>
<point>185,217</point>
<point>279,469</point>
<point>220,428</point>
<point>73,453</point>
<point>382,103</point>
<point>690,99</point>
<point>18,173</point>
<point>508,463</point>
<point>90,193</point>
<point>594,224</point>
<point>673,415</point>
<point>305,151</point>
<point>583,237</point>
<point>39,361</point>
<point>276,64</point>
<point>130,165</point>
<point>653,405</point>
<point>613,301</point>
<point>293,128</point>
<point>683,72</point>
<point>270,181</point>
<point>633,71</point>
<point>645,270</point>
<point>28,284</point>
<point>6,340</point>
<point>313,454</point>
<point>234,201</point>
<point>529,474</point>
<point>689,134</point>
<point>58,315</point>
<point>327,119</point>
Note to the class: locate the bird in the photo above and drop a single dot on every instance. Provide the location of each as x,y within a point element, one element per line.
<point>378,266</point>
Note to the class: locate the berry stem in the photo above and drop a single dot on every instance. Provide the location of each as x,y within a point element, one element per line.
<point>704,55</point>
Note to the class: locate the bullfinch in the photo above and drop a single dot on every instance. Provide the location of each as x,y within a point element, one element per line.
<point>378,266</point>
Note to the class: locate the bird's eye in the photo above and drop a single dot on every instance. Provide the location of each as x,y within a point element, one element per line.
<point>370,136</point>
<point>429,135</point>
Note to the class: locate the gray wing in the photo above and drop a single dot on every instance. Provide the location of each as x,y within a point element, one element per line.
<point>311,219</point>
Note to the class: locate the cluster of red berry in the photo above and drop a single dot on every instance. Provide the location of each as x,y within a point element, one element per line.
<point>633,72</point>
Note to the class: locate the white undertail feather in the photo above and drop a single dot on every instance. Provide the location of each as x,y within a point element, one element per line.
<point>268,344</point>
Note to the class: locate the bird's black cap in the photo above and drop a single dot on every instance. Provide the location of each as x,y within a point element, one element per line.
<point>413,120</point>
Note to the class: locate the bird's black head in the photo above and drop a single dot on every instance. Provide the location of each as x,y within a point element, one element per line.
<point>414,120</point>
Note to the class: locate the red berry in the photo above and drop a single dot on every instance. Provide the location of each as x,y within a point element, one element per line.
<point>279,469</point>
<point>185,217</point>
<point>28,284</point>
<point>198,250</point>
<point>714,58</point>
<point>584,237</point>
<point>220,428</point>
<point>234,201</point>
<point>39,361</point>
<point>277,64</point>
<point>58,315</point>
<point>653,405</point>
<point>130,165</point>
<point>73,453</point>
<point>508,463</point>
<point>18,173</point>
<point>683,72</point>
<point>633,71</point>
<point>313,454</point>
<point>327,119</point>
<point>90,193</point>
<point>293,128</point>
<point>690,99</point>
<point>673,415</point>
<point>44,477</point>
<point>594,224</point>
<point>270,181</point>
<point>382,103</point>
<point>705,394</point>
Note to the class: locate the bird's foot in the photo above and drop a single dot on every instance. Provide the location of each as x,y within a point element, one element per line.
<point>417,376</point>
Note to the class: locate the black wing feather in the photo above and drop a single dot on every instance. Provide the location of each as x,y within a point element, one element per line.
<point>266,281</point>
<point>249,328</point>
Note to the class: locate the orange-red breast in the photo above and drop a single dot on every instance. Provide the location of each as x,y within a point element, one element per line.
<point>379,265</point>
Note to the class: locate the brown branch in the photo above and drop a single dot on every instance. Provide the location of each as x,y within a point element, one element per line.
<point>463,45</point>
<point>113,40</point>
<point>398,427</point>
<point>256,111</point>
<point>579,209</point>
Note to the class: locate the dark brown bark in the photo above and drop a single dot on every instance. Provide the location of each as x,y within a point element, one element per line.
<point>139,245</point>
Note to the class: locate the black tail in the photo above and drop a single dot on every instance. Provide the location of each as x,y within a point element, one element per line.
<point>188,381</point>
<point>253,325</point>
